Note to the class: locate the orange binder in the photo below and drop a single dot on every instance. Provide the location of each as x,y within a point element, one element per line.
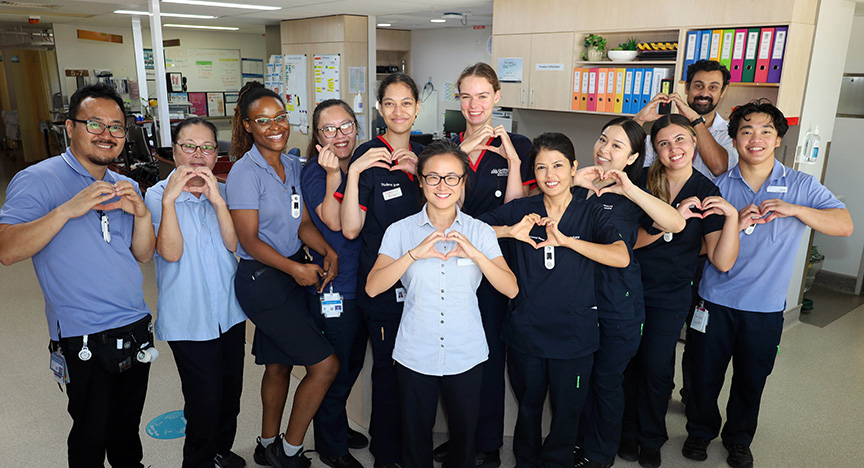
<point>577,88</point>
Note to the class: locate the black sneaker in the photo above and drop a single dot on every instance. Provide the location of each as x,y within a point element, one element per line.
<point>277,457</point>
<point>649,457</point>
<point>628,449</point>
<point>345,461</point>
<point>229,460</point>
<point>739,456</point>
<point>439,453</point>
<point>695,448</point>
<point>356,440</point>
<point>260,456</point>
<point>490,459</point>
<point>586,463</point>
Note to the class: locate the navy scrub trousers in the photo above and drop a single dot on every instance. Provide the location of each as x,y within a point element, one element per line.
<point>751,340</point>
<point>347,335</point>
<point>211,376</point>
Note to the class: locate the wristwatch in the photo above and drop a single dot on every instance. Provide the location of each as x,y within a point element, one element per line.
<point>697,121</point>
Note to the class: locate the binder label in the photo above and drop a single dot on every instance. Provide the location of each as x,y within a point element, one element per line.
<point>738,49</point>
<point>779,42</point>
<point>577,74</point>
<point>691,46</point>
<point>619,83</point>
<point>715,44</point>
<point>765,45</point>
<point>752,43</point>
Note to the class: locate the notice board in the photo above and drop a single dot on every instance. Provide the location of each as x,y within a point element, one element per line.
<point>206,69</point>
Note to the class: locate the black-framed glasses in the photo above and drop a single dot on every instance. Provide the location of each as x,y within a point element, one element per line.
<point>451,180</point>
<point>281,119</point>
<point>330,131</point>
<point>189,148</point>
<point>97,128</point>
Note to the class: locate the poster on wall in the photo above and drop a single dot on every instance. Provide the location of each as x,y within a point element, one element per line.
<point>510,69</point>
<point>296,98</point>
<point>149,65</point>
<point>326,69</point>
<point>215,105</point>
<point>199,104</point>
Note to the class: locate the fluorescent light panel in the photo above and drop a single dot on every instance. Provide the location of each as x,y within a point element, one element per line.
<point>222,5</point>
<point>384,25</point>
<point>169,15</point>
<point>195,26</point>
<point>438,21</point>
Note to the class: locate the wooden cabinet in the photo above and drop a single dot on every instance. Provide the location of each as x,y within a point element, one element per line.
<point>547,64</point>
<point>393,49</point>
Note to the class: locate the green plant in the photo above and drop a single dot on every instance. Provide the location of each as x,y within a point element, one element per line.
<point>595,41</point>
<point>629,45</point>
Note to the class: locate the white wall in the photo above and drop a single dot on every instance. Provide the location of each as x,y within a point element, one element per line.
<point>442,54</point>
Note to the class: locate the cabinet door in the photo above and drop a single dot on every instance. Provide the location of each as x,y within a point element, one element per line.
<point>551,71</point>
<point>513,46</point>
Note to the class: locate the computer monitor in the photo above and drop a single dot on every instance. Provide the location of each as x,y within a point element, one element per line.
<point>454,122</point>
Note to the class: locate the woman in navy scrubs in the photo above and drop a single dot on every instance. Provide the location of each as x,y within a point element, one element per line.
<point>329,152</point>
<point>380,189</point>
<point>440,254</point>
<point>618,156</point>
<point>668,263</point>
<point>499,171</point>
<point>551,328</point>
<point>265,200</point>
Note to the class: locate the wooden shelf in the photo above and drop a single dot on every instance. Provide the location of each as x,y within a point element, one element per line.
<point>630,62</point>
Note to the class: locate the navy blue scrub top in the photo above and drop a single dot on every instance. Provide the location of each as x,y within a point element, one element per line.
<point>378,196</point>
<point>553,316</point>
<point>619,290</point>
<point>487,179</point>
<point>313,183</point>
<point>668,268</point>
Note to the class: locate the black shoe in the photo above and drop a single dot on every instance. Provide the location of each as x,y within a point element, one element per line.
<point>345,461</point>
<point>628,449</point>
<point>491,459</point>
<point>683,392</point>
<point>229,460</point>
<point>356,440</point>
<point>695,448</point>
<point>260,456</point>
<point>586,463</point>
<point>649,457</point>
<point>577,455</point>
<point>386,465</point>
<point>739,456</point>
<point>439,453</point>
<point>277,457</point>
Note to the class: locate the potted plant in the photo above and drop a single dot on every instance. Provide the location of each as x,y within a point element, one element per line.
<point>595,45</point>
<point>625,51</point>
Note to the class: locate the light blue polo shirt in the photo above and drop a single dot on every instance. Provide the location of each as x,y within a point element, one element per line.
<point>196,293</point>
<point>760,278</point>
<point>441,332</point>
<point>89,285</point>
<point>254,185</point>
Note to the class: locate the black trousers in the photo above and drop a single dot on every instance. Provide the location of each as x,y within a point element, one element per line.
<point>385,424</point>
<point>348,337</point>
<point>567,382</point>
<point>490,425</point>
<point>419,399</point>
<point>600,423</point>
<point>106,411</point>
<point>211,374</point>
<point>751,340</point>
<point>651,377</point>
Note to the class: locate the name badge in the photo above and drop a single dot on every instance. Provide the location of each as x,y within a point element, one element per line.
<point>700,319</point>
<point>58,367</point>
<point>331,304</point>
<point>391,194</point>
<point>400,294</point>
<point>464,262</point>
<point>777,188</point>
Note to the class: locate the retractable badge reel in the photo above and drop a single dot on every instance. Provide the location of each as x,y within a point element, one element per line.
<point>549,257</point>
<point>295,203</point>
<point>331,304</point>
<point>85,354</point>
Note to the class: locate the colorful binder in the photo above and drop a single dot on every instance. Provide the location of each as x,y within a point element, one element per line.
<point>620,73</point>
<point>610,90</point>
<point>577,88</point>
<point>738,55</point>
<point>660,74</point>
<point>726,49</point>
<point>692,52</point>
<point>763,60</point>
<point>628,91</point>
<point>750,51</point>
<point>592,89</point>
<point>647,82</point>
<point>705,44</point>
<point>776,64</point>
<point>637,91</point>
<point>716,43</point>
<point>583,103</point>
<point>601,90</point>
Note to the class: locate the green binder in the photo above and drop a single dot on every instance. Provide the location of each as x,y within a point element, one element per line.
<point>726,50</point>
<point>750,51</point>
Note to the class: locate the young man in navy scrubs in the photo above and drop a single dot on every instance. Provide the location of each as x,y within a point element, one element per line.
<point>741,317</point>
<point>86,228</point>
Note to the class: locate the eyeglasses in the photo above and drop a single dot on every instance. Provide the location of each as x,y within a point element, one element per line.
<point>346,129</point>
<point>188,148</point>
<point>434,179</point>
<point>281,119</point>
<point>97,128</point>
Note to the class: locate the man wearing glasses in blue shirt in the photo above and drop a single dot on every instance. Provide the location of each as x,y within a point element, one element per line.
<point>86,228</point>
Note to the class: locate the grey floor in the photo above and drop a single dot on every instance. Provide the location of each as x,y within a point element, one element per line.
<point>812,411</point>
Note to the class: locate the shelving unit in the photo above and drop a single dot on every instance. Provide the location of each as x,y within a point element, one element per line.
<point>392,47</point>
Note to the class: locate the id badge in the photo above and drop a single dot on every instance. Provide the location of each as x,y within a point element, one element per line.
<point>295,206</point>
<point>331,304</point>
<point>400,294</point>
<point>59,368</point>
<point>700,318</point>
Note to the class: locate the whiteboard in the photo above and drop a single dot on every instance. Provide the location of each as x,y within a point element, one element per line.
<point>206,69</point>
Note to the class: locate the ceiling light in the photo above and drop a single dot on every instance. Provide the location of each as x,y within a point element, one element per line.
<point>222,5</point>
<point>195,26</point>
<point>438,21</point>
<point>170,15</point>
<point>452,15</point>
<point>384,25</point>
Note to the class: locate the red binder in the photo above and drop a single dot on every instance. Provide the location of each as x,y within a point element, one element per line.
<point>763,60</point>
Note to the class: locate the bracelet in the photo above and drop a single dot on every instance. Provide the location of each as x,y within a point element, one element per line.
<point>412,257</point>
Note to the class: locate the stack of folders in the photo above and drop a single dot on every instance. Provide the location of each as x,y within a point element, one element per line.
<point>753,55</point>
<point>616,90</point>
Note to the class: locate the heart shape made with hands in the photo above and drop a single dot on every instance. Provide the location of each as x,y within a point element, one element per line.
<point>450,247</point>
<point>198,183</point>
